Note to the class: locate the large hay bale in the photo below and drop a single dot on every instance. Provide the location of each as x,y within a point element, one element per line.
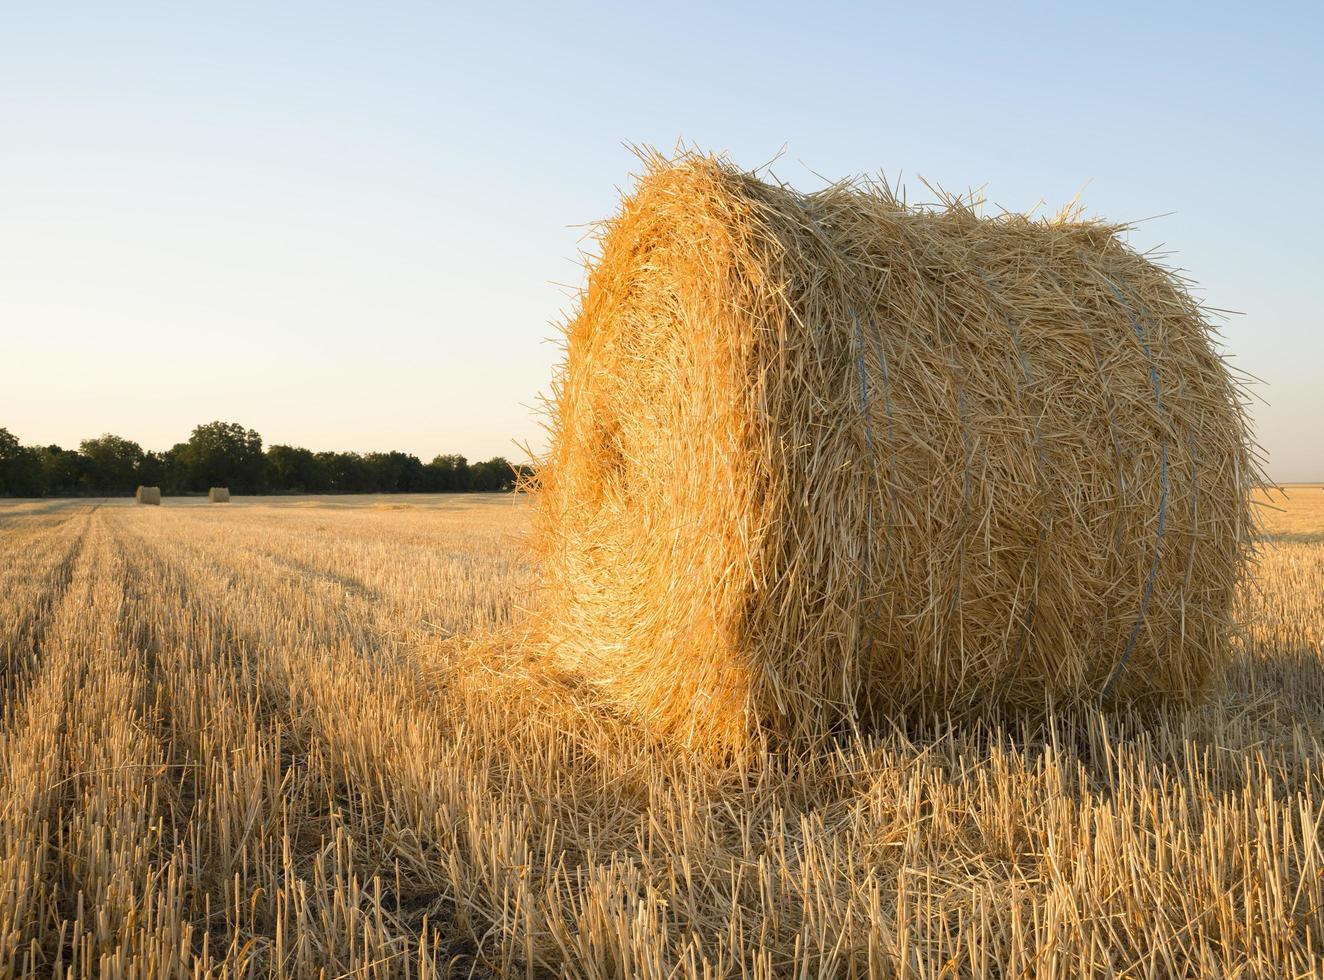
<point>219,495</point>
<point>148,495</point>
<point>817,457</point>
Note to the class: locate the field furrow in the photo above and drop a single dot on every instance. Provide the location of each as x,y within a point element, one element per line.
<point>38,562</point>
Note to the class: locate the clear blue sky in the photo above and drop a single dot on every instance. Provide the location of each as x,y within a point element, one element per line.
<point>343,224</point>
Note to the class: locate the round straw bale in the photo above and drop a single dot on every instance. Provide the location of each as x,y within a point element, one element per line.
<point>219,495</point>
<point>148,495</point>
<point>823,457</point>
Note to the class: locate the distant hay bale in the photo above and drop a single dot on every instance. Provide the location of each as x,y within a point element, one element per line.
<point>219,495</point>
<point>148,495</point>
<point>819,458</point>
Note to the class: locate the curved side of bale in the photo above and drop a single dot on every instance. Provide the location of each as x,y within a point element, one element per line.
<point>820,455</point>
<point>148,495</point>
<point>219,495</point>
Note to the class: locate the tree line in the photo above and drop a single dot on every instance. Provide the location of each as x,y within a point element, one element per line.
<point>225,454</point>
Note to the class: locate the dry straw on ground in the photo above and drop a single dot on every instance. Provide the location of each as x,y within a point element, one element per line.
<point>148,495</point>
<point>219,495</point>
<point>234,745</point>
<point>822,456</point>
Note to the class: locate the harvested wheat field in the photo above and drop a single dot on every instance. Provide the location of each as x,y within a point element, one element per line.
<point>242,741</point>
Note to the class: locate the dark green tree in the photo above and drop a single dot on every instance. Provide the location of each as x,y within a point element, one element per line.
<point>223,454</point>
<point>64,472</point>
<point>227,454</point>
<point>112,464</point>
<point>492,474</point>
<point>20,468</point>
<point>347,472</point>
<point>174,470</point>
<point>152,470</point>
<point>448,474</point>
<point>524,474</point>
<point>291,469</point>
<point>394,472</point>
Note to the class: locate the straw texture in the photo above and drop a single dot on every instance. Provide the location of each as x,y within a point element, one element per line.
<point>148,495</point>
<point>219,495</point>
<point>823,458</point>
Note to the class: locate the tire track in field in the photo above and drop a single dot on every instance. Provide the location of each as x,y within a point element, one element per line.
<point>212,756</point>
<point>270,601</point>
<point>35,779</point>
<point>443,578</point>
<point>93,830</point>
<point>38,515</point>
<point>334,689</point>
<point>21,643</point>
<point>288,783</point>
<point>116,853</point>
<point>315,670</point>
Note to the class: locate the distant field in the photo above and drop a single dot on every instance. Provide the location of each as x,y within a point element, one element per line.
<point>243,740</point>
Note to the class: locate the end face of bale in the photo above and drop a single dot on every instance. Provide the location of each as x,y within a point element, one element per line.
<point>219,495</point>
<point>148,495</point>
<point>820,458</point>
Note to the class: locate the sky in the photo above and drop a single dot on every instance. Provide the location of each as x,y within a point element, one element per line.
<point>359,225</point>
